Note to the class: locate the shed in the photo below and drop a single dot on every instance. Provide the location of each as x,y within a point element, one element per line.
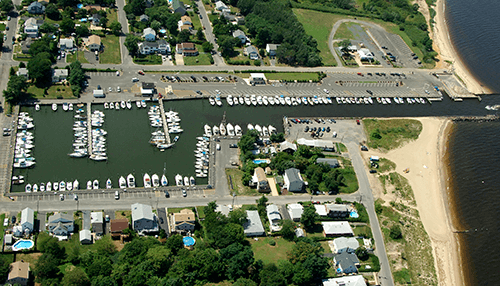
<point>299,232</point>
<point>8,239</point>
<point>85,236</point>
<point>253,226</point>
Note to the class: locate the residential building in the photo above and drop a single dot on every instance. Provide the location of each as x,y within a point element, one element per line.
<point>186,20</point>
<point>295,211</point>
<point>235,20</point>
<point>149,34</point>
<point>325,145</point>
<point>66,45</point>
<point>25,46</point>
<point>293,180</point>
<point>59,75</point>
<point>288,147</point>
<point>240,35</point>
<point>23,72</point>
<point>337,210</point>
<point>85,236</point>
<point>144,18</point>
<point>331,162</point>
<point>252,52</point>
<point>350,280</point>
<point>225,210</point>
<point>19,273</point>
<point>94,43</point>
<point>61,224</point>
<point>345,244</point>
<point>143,219</point>
<point>117,226</point>
<point>274,217</point>
<point>178,7</point>
<point>185,27</point>
<point>221,6</point>
<point>184,221</point>
<point>346,263</point>
<point>321,210</point>
<point>96,19</point>
<point>160,46</point>
<point>97,223</point>
<point>365,55</point>
<point>260,179</point>
<point>28,220</point>
<point>187,49</point>
<point>272,49</point>
<point>336,228</point>
<point>253,226</point>
<point>31,27</point>
<point>36,8</point>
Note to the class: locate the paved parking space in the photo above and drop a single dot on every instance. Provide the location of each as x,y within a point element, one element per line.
<point>396,46</point>
<point>347,130</point>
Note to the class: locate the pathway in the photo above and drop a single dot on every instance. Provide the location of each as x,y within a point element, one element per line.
<point>164,121</point>
<point>272,184</point>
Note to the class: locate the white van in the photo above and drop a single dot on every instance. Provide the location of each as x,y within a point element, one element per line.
<point>117,195</point>
<point>218,147</point>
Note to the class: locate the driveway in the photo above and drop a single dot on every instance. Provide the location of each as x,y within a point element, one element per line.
<point>272,185</point>
<point>162,216</point>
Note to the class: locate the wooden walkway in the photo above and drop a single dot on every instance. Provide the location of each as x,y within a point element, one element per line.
<point>89,128</point>
<point>164,120</point>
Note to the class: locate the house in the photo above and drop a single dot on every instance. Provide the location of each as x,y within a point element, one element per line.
<point>85,236</point>
<point>268,171</point>
<point>331,162</point>
<point>293,180</point>
<point>31,27</point>
<point>240,35</point>
<point>186,20</point>
<point>59,75</point>
<point>94,43</point>
<point>345,244</point>
<point>117,226</point>
<point>143,219</point>
<point>260,179</point>
<point>365,55</point>
<point>253,225</point>
<point>149,34</point>
<point>337,210</point>
<point>36,8</point>
<point>321,210</point>
<point>61,224</point>
<point>66,45</point>
<point>274,217</point>
<point>160,46</point>
<point>144,18</point>
<point>325,145</point>
<point>350,280</point>
<point>220,6</point>
<point>295,211</point>
<point>96,19</point>
<point>257,78</point>
<point>25,46</point>
<point>178,7</point>
<point>28,220</point>
<point>187,49</point>
<point>225,210</point>
<point>346,263</point>
<point>288,147</point>
<point>272,49</point>
<point>147,89</point>
<point>336,228</point>
<point>19,273</point>
<point>97,223</point>
<point>252,52</point>
<point>184,221</point>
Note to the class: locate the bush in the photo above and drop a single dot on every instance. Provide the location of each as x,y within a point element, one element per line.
<point>272,242</point>
<point>395,232</point>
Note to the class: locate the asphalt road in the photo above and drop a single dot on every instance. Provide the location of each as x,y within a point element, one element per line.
<point>205,22</point>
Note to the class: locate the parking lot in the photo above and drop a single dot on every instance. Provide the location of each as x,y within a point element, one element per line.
<point>397,47</point>
<point>223,159</point>
<point>341,130</point>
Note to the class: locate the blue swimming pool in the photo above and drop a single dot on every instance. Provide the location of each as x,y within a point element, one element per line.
<point>261,161</point>
<point>22,244</point>
<point>354,214</point>
<point>188,241</point>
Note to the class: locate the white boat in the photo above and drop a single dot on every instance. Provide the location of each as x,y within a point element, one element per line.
<point>192,182</point>
<point>264,100</point>
<point>208,130</point>
<point>242,100</point>
<point>229,100</point>
<point>143,103</point>
<point>271,129</point>
<point>230,129</point>
<point>186,181</point>
<point>147,181</point>
<point>70,107</point>
<point>237,130</point>
<point>76,185</point>
<point>65,106</point>
<point>111,105</point>
<point>178,180</point>
<point>117,105</point>
<point>123,105</point>
<point>131,181</point>
<point>259,100</point>
<point>97,157</point>
<point>106,105</point>
<point>54,106</point>
<point>89,185</point>
<point>211,100</point>
<point>122,182</point>
<point>215,130</point>
<point>42,187</point>
<point>95,185</point>
<point>164,181</point>
<point>35,188</point>
<point>129,104</point>
<point>250,126</point>
<point>109,184</point>
<point>155,180</point>
<point>265,132</point>
<point>282,100</point>
<point>218,101</point>
<point>222,129</point>
<point>55,186</point>
<point>62,186</point>
<point>271,100</point>
<point>138,103</point>
<point>253,100</point>
<point>69,186</point>
<point>27,188</point>
<point>259,129</point>
<point>49,186</point>
<point>248,101</point>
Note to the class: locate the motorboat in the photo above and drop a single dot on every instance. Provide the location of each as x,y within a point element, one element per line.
<point>259,129</point>
<point>211,100</point>
<point>55,186</point>
<point>271,100</point>
<point>215,130</point>
<point>27,188</point>
<point>242,100</point>
<point>49,186</point>
<point>250,126</point>
<point>76,185</point>
<point>131,181</point>
<point>259,100</point>
<point>265,132</point>
<point>178,180</point>
<point>109,184</point>
<point>222,129</point>
<point>54,106</point>
<point>253,100</point>
<point>106,105</point>
<point>208,130</point>
<point>264,100</point>
<point>186,181</point>
<point>192,182</point>
<point>70,106</point>
<point>117,105</point>
<point>138,103</point>
<point>248,101</point>
<point>147,181</point>
<point>65,106</point>
<point>95,185</point>
<point>123,105</point>
<point>282,100</point>
<point>122,182</point>
<point>89,185</point>
<point>230,129</point>
<point>37,107</point>
<point>155,180</point>
<point>35,188</point>
<point>164,181</point>
<point>42,187</point>
<point>237,130</point>
<point>218,101</point>
<point>62,186</point>
<point>129,104</point>
<point>229,100</point>
<point>98,157</point>
<point>143,103</point>
<point>69,186</point>
<point>271,129</point>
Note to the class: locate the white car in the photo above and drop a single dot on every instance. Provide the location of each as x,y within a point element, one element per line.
<point>118,89</point>
<point>326,90</point>
<point>110,89</point>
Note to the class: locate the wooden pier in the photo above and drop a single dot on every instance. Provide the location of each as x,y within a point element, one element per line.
<point>164,120</point>
<point>89,128</point>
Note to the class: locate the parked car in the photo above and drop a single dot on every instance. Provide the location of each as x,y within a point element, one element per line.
<point>184,194</point>
<point>167,195</point>
<point>118,89</point>
<point>233,146</point>
<point>98,87</point>
<point>141,72</point>
<point>134,79</point>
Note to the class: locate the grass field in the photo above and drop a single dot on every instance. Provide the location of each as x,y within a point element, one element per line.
<point>2,27</point>
<point>392,133</point>
<point>319,25</point>
<point>79,55</point>
<point>385,165</point>
<point>290,76</point>
<point>203,59</point>
<point>343,32</point>
<point>54,91</point>
<point>111,53</point>
<point>122,214</point>
<point>2,228</point>
<point>271,254</point>
<point>238,187</point>
<point>112,16</point>
<point>350,179</point>
<point>148,60</point>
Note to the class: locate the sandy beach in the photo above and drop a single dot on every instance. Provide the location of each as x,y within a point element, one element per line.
<point>443,45</point>
<point>424,159</point>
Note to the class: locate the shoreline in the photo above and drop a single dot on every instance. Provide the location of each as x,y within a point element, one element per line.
<point>447,52</point>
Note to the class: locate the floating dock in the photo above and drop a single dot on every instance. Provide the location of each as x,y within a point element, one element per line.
<point>89,128</point>
<point>164,119</point>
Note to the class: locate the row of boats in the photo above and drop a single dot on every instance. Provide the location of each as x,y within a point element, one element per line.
<point>158,137</point>
<point>230,130</point>
<point>202,153</point>
<point>24,142</point>
<point>184,181</point>
<point>80,131</point>
<point>173,122</point>
<point>380,100</point>
<point>98,137</point>
<point>124,104</point>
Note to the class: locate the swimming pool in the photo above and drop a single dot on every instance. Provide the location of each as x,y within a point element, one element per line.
<point>188,241</point>
<point>354,214</point>
<point>262,161</point>
<point>22,244</point>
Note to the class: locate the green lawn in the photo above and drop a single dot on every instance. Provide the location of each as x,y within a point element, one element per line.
<point>54,91</point>
<point>362,230</point>
<point>196,22</point>
<point>392,133</point>
<point>385,165</point>
<point>270,254</point>
<point>111,53</point>
<point>112,16</point>
<point>2,27</point>
<point>343,32</point>
<point>148,60</point>
<point>203,59</point>
<point>79,55</point>
<point>238,187</point>
<point>2,228</point>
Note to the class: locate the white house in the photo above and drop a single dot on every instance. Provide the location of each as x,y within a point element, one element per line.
<point>253,226</point>
<point>149,34</point>
<point>321,210</point>
<point>365,55</point>
<point>336,228</point>
<point>85,236</point>
<point>143,219</point>
<point>59,75</point>
<point>345,244</point>
<point>274,217</point>
<point>66,45</point>
<point>22,72</point>
<point>350,280</point>
<point>272,49</point>
<point>220,6</point>
<point>31,27</point>
<point>160,46</point>
<point>295,211</point>
<point>28,220</point>
<point>252,52</point>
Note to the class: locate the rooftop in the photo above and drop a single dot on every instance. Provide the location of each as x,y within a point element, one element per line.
<point>337,227</point>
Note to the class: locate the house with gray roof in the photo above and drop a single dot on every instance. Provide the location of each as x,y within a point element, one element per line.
<point>144,18</point>
<point>350,280</point>
<point>36,8</point>
<point>85,236</point>
<point>293,180</point>
<point>97,223</point>
<point>178,7</point>
<point>346,263</point>
<point>96,19</point>
<point>331,162</point>
<point>149,34</point>
<point>221,6</point>
<point>240,35</point>
<point>345,244</point>
<point>143,219</point>
<point>59,75</point>
<point>253,226</point>
<point>23,72</point>
<point>295,211</point>
<point>28,220</point>
<point>61,224</point>
<point>66,44</point>
<point>272,49</point>
<point>252,52</point>
<point>274,217</point>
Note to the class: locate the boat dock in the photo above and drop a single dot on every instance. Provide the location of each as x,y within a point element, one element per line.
<point>89,127</point>
<point>164,120</point>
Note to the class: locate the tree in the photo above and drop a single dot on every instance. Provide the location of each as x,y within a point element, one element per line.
<point>395,232</point>
<point>52,12</point>
<point>40,70</point>
<point>174,243</point>
<point>46,268</point>
<point>104,22</point>
<point>6,6</point>
<point>237,258</point>
<point>199,35</point>
<point>271,276</point>
<point>344,46</point>
<point>362,253</point>
<point>288,229</point>
<point>302,249</point>
<point>131,42</point>
<point>12,71</point>
<point>309,217</point>
<point>67,26</point>
<point>261,205</point>
<point>75,277</point>
<point>277,138</point>
<point>244,282</point>
<point>207,47</point>
<point>48,28</point>
<point>116,28</point>
<point>82,31</point>
<point>183,36</point>
<point>4,268</point>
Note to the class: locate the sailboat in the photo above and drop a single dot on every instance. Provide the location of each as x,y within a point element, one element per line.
<point>131,181</point>
<point>109,184</point>
<point>89,185</point>
<point>164,181</point>
<point>147,181</point>
<point>222,129</point>
<point>178,180</point>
